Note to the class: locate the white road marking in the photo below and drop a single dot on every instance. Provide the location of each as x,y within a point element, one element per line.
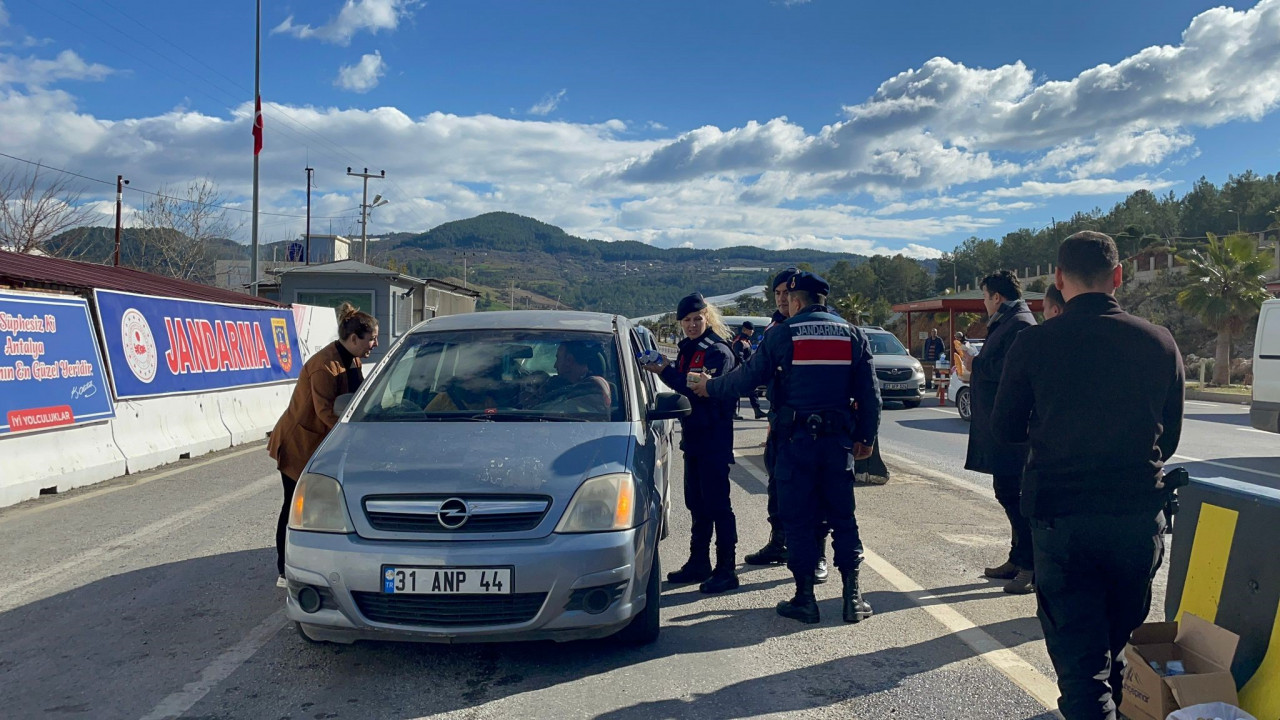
<point>945,411</point>
<point>916,467</point>
<point>220,669</point>
<point>1008,662</point>
<point>1201,403</point>
<point>125,486</point>
<point>20,593</point>
<point>1254,430</point>
<point>1229,466</point>
<point>988,649</point>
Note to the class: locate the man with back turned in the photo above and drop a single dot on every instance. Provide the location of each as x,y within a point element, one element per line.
<point>1102,417</point>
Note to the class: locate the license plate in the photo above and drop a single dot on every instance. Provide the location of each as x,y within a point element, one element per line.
<point>897,386</point>
<point>446,581</point>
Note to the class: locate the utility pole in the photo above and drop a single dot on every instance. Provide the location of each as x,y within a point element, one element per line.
<point>120,183</point>
<point>513,294</point>
<point>257,121</point>
<point>364,209</point>
<point>308,244</point>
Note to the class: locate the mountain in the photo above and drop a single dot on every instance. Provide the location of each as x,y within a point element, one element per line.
<point>625,277</point>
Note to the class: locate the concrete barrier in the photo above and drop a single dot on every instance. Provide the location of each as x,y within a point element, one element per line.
<point>61,459</point>
<point>250,413</point>
<point>153,431</point>
<point>1223,568</point>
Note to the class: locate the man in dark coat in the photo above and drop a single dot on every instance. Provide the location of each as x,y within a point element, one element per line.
<point>1009,315</point>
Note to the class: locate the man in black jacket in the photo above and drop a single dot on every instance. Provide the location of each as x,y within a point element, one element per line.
<point>1102,417</point>
<point>742,350</point>
<point>1009,316</point>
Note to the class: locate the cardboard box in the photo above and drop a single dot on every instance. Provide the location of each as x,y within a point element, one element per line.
<point>1206,652</point>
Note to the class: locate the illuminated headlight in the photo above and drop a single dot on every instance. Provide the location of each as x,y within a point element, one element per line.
<point>319,506</point>
<point>603,503</point>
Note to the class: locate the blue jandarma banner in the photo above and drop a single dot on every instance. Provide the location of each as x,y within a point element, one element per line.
<point>51,373</point>
<point>163,346</point>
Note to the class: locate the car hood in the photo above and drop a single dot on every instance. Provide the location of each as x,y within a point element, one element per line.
<point>894,361</point>
<point>543,458</point>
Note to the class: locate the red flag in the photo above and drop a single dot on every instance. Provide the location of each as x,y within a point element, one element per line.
<point>257,125</point>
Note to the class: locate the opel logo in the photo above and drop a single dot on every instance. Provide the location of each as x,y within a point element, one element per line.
<point>453,513</point>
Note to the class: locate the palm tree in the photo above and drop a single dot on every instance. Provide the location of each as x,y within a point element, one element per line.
<point>853,307</point>
<point>1226,288</point>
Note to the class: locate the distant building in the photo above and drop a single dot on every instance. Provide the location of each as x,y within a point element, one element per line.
<point>397,300</point>
<point>234,274</point>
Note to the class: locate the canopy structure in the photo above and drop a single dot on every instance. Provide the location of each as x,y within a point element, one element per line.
<point>969,301</point>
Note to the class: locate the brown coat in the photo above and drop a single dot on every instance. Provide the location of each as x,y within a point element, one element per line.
<point>310,414</point>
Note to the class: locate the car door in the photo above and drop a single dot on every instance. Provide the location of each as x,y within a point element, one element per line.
<point>658,433</point>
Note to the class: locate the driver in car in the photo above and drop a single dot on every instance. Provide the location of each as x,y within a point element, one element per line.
<point>578,383</point>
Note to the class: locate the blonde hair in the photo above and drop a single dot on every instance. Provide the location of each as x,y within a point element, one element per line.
<point>715,321</point>
<point>353,322</point>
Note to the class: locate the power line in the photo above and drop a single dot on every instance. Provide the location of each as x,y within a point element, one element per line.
<point>166,197</point>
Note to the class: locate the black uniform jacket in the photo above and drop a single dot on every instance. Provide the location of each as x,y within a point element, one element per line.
<point>708,430</point>
<point>1099,394</point>
<point>986,453</point>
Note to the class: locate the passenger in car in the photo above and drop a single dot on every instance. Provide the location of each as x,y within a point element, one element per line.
<point>707,442</point>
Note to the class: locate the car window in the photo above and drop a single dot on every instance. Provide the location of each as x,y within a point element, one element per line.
<point>883,343</point>
<point>528,375</point>
<point>642,380</point>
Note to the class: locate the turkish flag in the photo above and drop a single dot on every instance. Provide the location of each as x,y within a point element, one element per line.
<point>257,125</point>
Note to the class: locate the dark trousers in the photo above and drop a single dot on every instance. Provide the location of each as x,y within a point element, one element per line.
<point>774,516</point>
<point>755,403</point>
<point>814,484</point>
<point>706,495</point>
<point>1009,495</point>
<point>1093,583</point>
<point>283,523</point>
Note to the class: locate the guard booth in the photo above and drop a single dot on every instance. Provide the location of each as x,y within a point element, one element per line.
<point>967,301</point>
<point>1223,568</point>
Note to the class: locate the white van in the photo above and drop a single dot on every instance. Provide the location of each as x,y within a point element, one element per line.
<point>1265,412</point>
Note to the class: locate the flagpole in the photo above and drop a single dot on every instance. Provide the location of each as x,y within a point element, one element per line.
<point>257,119</point>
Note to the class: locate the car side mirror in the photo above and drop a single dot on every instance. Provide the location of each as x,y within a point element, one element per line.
<point>342,402</point>
<point>669,406</point>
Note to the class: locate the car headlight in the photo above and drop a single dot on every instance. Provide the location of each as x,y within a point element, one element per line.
<point>319,506</point>
<point>603,503</point>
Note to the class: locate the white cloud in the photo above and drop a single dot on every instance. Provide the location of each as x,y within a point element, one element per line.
<point>39,72</point>
<point>938,151</point>
<point>1086,187</point>
<point>548,104</point>
<point>355,16</point>
<point>364,75</point>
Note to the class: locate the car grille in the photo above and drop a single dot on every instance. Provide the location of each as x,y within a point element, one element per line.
<point>894,374</point>
<point>449,610</point>
<point>488,514</point>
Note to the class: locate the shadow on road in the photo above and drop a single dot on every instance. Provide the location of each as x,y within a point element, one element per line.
<point>954,425</point>
<point>1240,419</point>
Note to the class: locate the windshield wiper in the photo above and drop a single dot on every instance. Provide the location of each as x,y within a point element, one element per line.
<point>517,416</point>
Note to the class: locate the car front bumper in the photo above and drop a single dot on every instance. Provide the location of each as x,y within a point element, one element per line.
<point>346,571</point>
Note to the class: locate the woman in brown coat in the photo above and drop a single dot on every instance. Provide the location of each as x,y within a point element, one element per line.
<point>333,371</point>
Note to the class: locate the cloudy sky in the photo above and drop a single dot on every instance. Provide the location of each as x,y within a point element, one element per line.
<point>900,126</point>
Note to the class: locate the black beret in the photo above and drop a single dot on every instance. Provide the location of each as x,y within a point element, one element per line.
<point>748,325</point>
<point>690,303</point>
<point>810,283</point>
<point>783,277</point>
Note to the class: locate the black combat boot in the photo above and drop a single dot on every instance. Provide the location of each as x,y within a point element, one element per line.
<point>697,569</point>
<point>774,552</point>
<point>725,577</point>
<point>855,608</point>
<point>804,606</point>
<point>821,572</point>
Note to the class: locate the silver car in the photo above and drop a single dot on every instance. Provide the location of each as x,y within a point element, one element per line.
<point>899,376</point>
<point>500,476</point>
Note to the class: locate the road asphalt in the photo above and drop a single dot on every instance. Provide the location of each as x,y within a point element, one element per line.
<point>153,596</point>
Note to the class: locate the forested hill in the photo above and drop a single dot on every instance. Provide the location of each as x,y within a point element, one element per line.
<point>625,277</point>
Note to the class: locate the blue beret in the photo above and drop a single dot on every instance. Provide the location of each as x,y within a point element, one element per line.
<point>783,277</point>
<point>810,283</point>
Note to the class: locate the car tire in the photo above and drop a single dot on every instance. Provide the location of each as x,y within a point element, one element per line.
<point>644,628</point>
<point>302,633</point>
<point>964,403</point>
<point>911,404</point>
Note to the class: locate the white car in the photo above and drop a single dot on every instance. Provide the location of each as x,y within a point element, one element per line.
<point>958,392</point>
<point>899,376</point>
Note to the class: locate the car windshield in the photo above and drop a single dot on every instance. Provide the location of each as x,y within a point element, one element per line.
<point>497,375</point>
<point>883,343</point>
